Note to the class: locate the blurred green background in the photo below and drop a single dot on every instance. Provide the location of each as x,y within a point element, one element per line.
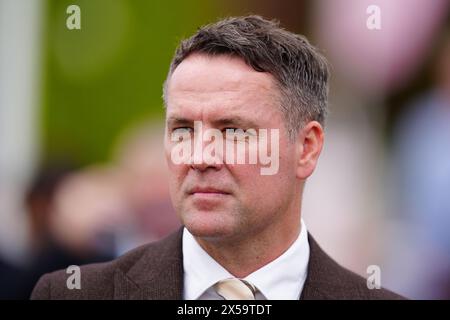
<point>109,74</point>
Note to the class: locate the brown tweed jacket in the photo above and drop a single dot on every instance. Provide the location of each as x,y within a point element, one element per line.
<point>155,271</point>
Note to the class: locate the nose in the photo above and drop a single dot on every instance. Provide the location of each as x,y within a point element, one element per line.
<point>203,166</point>
<point>207,153</point>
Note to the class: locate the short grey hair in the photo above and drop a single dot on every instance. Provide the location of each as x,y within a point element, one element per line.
<point>300,70</point>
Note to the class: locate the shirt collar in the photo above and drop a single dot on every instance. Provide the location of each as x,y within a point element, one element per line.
<point>283,278</point>
<point>201,271</point>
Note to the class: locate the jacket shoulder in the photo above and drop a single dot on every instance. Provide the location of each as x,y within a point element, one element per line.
<point>328,280</point>
<point>353,286</point>
<point>96,280</point>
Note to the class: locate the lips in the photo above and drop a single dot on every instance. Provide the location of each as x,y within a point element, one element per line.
<point>207,190</point>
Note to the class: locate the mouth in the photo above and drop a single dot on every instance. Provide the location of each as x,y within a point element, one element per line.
<point>208,191</point>
<point>208,198</point>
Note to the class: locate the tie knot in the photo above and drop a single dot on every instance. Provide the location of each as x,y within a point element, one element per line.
<point>235,289</point>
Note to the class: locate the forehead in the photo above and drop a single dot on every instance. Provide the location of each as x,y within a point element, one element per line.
<point>220,84</point>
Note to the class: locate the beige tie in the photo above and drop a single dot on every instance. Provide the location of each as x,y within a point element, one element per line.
<point>235,289</point>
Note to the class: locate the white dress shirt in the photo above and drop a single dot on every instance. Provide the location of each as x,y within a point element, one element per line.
<point>281,279</point>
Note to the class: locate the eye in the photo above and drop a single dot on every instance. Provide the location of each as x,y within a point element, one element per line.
<point>182,130</point>
<point>235,134</point>
<point>231,130</point>
<point>183,133</point>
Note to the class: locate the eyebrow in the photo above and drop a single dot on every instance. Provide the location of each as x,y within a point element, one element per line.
<point>221,122</point>
<point>235,121</point>
<point>174,120</point>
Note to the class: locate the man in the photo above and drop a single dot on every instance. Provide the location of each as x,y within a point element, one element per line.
<point>229,85</point>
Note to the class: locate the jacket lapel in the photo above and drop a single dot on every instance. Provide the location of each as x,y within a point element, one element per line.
<point>322,271</point>
<point>157,274</point>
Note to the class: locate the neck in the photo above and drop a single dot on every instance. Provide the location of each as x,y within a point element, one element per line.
<point>245,255</point>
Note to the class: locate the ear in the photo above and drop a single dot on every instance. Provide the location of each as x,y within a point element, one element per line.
<point>309,145</point>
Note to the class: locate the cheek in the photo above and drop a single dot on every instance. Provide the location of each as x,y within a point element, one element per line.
<point>175,174</point>
<point>172,167</point>
<point>167,149</point>
<point>250,183</point>
<point>261,189</point>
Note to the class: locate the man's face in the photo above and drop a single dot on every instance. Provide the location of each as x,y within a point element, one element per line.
<point>223,200</point>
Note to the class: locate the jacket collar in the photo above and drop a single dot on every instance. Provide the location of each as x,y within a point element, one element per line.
<point>158,273</point>
<point>322,274</point>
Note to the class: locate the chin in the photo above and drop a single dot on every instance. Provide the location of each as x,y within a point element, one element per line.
<point>207,225</point>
